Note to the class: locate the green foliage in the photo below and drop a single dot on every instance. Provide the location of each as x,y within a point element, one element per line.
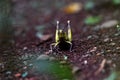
<point>89,5</point>
<point>116,2</point>
<point>112,76</point>
<point>92,20</point>
<point>55,68</point>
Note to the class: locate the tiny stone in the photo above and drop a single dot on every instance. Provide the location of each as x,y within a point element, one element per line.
<point>107,24</point>
<point>30,64</point>
<point>25,48</point>
<point>75,69</point>
<point>112,44</point>
<point>65,57</point>
<point>118,48</point>
<point>17,75</point>
<point>25,67</point>
<point>94,49</point>
<point>114,65</point>
<point>51,58</point>
<point>109,61</point>
<point>24,74</point>
<point>106,40</point>
<point>108,51</point>
<point>63,62</point>
<point>89,37</point>
<point>8,72</point>
<point>117,34</point>
<point>98,54</point>
<point>25,62</point>
<point>85,62</point>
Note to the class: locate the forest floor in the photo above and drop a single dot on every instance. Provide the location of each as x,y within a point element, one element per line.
<point>95,53</point>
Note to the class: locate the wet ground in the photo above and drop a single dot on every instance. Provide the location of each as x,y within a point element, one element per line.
<point>25,44</point>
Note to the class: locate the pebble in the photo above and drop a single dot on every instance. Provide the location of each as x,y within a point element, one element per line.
<point>107,24</point>
<point>94,49</point>
<point>106,39</point>
<point>112,44</point>
<point>108,50</point>
<point>89,37</point>
<point>52,58</point>
<point>24,74</point>
<point>118,48</point>
<point>98,54</point>
<point>8,72</point>
<point>75,69</point>
<point>17,75</point>
<point>85,62</point>
<point>25,48</point>
<point>65,57</point>
<point>43,57</point>
<point>25,67</point>
<point>109,61</point>
<point>63,62</point>
<point>30,64</point>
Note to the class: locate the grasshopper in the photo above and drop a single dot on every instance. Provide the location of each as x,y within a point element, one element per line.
<point>62,38</point>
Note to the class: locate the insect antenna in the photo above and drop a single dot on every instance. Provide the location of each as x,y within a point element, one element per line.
<point>56,34</point>
<point>57,25</point>
<point>69,31</point>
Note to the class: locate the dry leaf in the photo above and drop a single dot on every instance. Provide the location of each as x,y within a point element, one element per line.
<point>73,8</point>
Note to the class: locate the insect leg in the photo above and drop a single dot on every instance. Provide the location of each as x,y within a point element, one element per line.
<point>70,45</point>
<point>51,46</point>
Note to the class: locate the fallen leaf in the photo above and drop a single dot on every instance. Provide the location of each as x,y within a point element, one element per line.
<point>73,8</point>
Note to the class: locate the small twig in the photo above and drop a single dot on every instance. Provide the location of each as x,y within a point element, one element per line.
<point>101,67</point>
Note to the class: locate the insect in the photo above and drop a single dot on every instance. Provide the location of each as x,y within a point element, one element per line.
<point>62,38</point>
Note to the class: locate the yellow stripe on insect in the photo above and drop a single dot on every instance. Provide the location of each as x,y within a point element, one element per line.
<point>56,34</point>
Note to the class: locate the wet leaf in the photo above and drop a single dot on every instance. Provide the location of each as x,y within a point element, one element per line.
<point>92,20</point>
